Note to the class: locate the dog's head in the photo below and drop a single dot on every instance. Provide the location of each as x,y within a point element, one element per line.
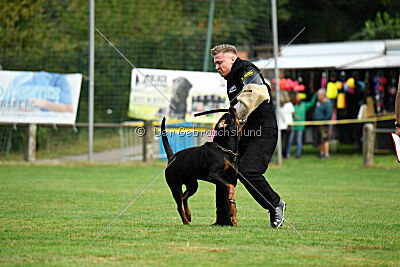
<point>181,86</point>
<point>228,120</point>
<point>227,131</point>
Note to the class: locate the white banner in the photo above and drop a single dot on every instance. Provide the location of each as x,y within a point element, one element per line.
<point>39,97</point>
<point>176,94</point>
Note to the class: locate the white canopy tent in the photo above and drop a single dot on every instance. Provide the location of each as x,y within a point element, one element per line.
<point>389,59</point>
<point>341,55</point>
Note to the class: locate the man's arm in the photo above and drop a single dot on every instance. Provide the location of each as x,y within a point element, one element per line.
<point>254,92</point>
<point>397,107</point>
<point>51,106</point>
<point>311,103</point>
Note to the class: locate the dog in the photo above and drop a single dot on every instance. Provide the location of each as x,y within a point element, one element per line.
<point>209,162</point>
<point>181,87</point>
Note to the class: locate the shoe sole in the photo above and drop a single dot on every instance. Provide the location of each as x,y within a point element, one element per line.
<point>283,215</point>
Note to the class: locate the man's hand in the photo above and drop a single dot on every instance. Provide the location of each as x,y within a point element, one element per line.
<point>51,106</point>
<point>398,131</point>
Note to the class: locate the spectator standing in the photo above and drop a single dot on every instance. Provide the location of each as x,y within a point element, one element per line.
<point>323,112</point>
<point>285,117</point>
<point>300,110</point>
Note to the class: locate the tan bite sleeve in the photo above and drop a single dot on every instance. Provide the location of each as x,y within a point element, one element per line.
<point>249,99</point>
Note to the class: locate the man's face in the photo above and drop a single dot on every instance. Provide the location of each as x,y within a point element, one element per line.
<point>223,63</point>
<point>298,99</point>
<point>321,96</point>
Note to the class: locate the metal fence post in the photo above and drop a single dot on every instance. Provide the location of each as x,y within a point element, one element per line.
<point>209,33</point>
<point>91,80</point>
<point>277,88</point>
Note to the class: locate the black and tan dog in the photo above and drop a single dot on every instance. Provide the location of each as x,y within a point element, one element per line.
<point>209,162</point>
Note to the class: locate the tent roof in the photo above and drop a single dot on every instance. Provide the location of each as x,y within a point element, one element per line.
<point>389,59</point>
<point>341,55</point>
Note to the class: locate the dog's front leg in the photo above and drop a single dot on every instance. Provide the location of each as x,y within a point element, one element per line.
<point>232,203</point>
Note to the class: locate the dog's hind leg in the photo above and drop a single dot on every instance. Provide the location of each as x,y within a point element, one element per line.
<point>177,194</point>
<point>232,203</point>
<point>190,190</point>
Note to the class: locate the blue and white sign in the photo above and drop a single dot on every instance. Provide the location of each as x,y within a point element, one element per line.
<point>39,97</point>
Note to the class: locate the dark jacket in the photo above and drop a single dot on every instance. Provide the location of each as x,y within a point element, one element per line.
<point>323,111</point>
<point>244,72</point>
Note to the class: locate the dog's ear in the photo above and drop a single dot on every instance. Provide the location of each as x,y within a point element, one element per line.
<point>235,117</point>
<point>224,121</point>
<point>233,113</point>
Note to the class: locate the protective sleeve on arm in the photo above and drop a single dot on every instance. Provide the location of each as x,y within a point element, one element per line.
<point>252,95</point>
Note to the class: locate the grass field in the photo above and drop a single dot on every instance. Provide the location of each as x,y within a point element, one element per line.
<point>349,215</point>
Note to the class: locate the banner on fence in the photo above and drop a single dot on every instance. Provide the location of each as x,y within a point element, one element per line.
<point>176,95</point>
<point>39,97</point>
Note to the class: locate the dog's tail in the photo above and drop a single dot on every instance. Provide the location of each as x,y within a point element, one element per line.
<point>167,147</point>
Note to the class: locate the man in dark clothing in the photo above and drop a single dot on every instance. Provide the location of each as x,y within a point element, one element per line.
<point>250,95</point>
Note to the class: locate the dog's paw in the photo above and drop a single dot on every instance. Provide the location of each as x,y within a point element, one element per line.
<point>189,217</point>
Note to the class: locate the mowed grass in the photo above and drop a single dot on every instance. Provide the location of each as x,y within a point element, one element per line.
<point>348,215</point>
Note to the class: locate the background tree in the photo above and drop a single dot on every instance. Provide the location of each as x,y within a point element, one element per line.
<point>383,27</point>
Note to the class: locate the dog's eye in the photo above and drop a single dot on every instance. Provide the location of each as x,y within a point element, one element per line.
<point>222,124</point>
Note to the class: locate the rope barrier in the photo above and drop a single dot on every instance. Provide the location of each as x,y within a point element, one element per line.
<point>295,123</point>
<point>346,121</point>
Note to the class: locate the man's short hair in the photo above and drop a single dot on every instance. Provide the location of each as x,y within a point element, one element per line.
<point>224,48</point>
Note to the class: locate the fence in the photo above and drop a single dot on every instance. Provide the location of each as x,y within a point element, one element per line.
<point>180,137</point>
<point>151,34</point>
<point>115,142</point>
<point>58,141</point>
<point>369,137</point>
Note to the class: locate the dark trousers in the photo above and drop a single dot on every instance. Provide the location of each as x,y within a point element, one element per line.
<point>255,152</point>
<point>285,139</point>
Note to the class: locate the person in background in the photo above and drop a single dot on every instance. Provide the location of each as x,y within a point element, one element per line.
<point>397,123</point>
<point>42,91</point>
<point>323,112</point>
<point>300,109</point>
<point>285,117</point>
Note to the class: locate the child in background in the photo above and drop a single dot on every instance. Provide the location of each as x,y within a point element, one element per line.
<point>300,109</point>
<point>285,117</point>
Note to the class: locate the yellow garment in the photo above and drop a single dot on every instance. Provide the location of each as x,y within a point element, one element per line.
<point>341,101</point>
<point>302,96</point>
<point>339,85</point>
<point>331,91</point>
<point>350,82</point>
